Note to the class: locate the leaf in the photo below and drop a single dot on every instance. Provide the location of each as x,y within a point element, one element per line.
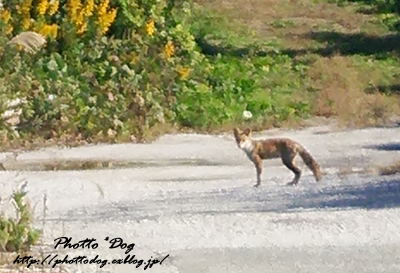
<point>52,65</point>
<point>114,71</point>
<point>4,236</point>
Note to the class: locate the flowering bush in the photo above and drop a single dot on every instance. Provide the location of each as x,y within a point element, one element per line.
<point>110,67</point>
<point>113,68</point>
<point>49,16</point>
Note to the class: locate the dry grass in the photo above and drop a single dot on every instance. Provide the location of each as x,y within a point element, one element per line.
<point>345,171</point>
<point>29,41</point>
<point>390,170</point>
<point>342,94</point>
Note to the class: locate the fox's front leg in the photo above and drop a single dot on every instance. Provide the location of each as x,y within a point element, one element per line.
<point>258,165</point>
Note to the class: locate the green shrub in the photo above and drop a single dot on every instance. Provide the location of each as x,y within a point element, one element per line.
<point>17,234</point>
<point>140,69</point>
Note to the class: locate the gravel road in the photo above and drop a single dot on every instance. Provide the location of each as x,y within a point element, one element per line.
<point>192,197</point>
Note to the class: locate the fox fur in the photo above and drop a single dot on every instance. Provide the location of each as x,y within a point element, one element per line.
<point>285,148</point>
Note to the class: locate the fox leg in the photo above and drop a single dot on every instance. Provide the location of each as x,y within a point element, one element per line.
<point>258,164</point>
<point>288,161</point>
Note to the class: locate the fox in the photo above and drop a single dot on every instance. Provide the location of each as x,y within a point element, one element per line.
<point>285,148</point>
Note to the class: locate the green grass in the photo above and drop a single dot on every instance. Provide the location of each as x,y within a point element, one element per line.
<point>244,63</point>
<point>300,63</point>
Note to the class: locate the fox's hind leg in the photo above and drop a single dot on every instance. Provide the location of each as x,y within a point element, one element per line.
<point>288,161</point>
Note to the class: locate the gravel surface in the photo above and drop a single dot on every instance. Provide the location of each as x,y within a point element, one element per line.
<point>192,197</point>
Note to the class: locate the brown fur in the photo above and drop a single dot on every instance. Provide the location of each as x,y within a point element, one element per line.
<point>285,148</point>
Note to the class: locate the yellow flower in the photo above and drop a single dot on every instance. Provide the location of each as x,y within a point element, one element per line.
<point>111,16</point>
<point>53,7</point>
<point>26,23</point>
<point>49,30</point>
<point>104,18</point>
<point>54,31</point>
<point>5,15</point>
<point>9,29</point>
<point>78,12</point>
<point>79,21</point>
<point>149,27</point>
<point>26,7</point>
<point>169,49</point>
<point>79,18</point>
<point>81,28</point>
<point>88,8</point>
<point>73,7</point>
<point>183,72</point>
<point>42,7</point>
<point>102,8</point>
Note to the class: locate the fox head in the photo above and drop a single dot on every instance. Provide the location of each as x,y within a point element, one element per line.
<point>243,139</point>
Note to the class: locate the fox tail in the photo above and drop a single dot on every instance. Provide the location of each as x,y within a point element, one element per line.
<point>310,162</point>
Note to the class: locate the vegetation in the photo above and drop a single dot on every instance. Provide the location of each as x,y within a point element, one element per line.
<point>88,83</point>
<point>113,70</point>
<point>17,233</point>
<point>339,62</point>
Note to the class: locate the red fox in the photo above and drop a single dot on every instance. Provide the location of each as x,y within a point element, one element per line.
<point>285,148</point>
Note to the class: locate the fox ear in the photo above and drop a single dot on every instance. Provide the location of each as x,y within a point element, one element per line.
<point>236,132</point>
<point>247,131</point>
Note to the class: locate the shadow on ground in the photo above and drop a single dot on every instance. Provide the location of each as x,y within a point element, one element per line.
<point>252,50</point>
<point>211,49</point>
<point>385,89</point>
<point>374,195</point>
<point>376,7</point>
<point>393,146</point>
<point>354,43</point>
<point>332,43</point>
<point>278,198</point>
